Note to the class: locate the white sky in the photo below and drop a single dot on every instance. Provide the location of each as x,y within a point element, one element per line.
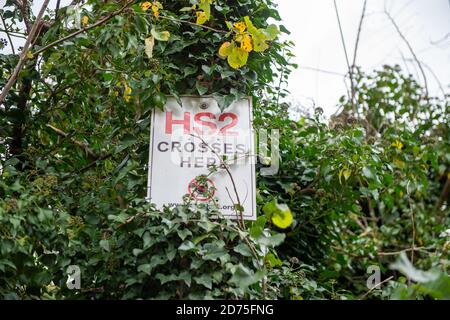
<point>314,29</point>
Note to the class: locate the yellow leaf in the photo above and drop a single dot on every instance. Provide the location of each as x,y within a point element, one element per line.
<point>30,55</point>
<point>85,20</point>
<point>146,5</point>
<point>246,43</point>
<point>160,35</point>
<point>205,6</point>
<point>158,5</point>
<point>259,42</point>
<point>240,26</point>
<point>237,58</point>
<point>127,93</point>
<point>225,49</point>
<point>201,17</point>
<point>149,44</point>
<point>346,173</point>
<point>282,217</point>
<point>155,10</point>
<point>397,144</point>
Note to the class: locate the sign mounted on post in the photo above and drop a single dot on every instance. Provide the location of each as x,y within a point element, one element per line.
<point>205,154</point>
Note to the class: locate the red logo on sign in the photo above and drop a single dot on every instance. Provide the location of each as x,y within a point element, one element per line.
<point>201,190</point>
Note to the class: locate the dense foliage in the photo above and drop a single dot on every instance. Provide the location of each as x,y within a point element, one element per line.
<point>371,184</point>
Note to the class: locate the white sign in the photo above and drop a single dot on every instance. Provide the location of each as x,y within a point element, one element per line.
<point>189,148</point>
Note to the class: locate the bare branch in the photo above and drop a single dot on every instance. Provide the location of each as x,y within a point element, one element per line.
<point>8,35</point>
<point>359,33</point>
<point>410,49</point>
<point>23,56</point>
<point>225,166</point>
<point>86,148</point>
<point>375,286</point>
<point>350,71</point>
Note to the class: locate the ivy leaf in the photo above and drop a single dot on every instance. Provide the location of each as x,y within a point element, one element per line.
<point>259,42</point>
<point>205,6</point>
<point>160,35</point>
<point>205,280</point>
<point>280,214</point>
<point>149,44</point>
<point>244,277</point>
<point>201,88</point>
<point>201,17</point>
<point>104,244</point>
<point>272,32</point>
<point>225,49</point>
<point>258,36</point>
<point>237,58</point>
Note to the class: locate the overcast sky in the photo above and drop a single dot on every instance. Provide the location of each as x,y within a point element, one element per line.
<point>314,29</point>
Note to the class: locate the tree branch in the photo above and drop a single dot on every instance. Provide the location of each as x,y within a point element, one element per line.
<point>350,71</point>
<point>86,148</point>
<point>23,56</point>
<point>410,49</point>
<point>7,34</point>
<point>73,34</point>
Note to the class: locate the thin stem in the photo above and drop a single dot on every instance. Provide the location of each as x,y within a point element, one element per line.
<point>410,49</point>
<point>346,57</point>
<point>225,166</point>
<point>190,23</point>
<point>7,34</point>
<point>23,56</point>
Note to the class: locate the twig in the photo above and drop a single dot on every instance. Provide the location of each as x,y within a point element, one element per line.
<point>57,9</point>
<point>346,58</point>
<point>8,35</point>
<point>410,49</point>
<point>323,71</point>
<point>375,286</point>
<point>394,253</point>
<point>192,24</point>
<point>23,56</point>
<point>441,87</point>
<point>74,141</point>
<point>353,66</point>
<point>444,193</point>
<point>14,34</point>
<point>359,32</point>
<point>73,34</point>
<point>225,166</point>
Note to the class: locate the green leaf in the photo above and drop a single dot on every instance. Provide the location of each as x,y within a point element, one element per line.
<point>146,268</point>
<point>201,89</point>
<point>244,277</point>
<point>205,280</point>
<point>271,32</point>
<point>272,241</point>
<point>160,35</point>
<point>105,245</point>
